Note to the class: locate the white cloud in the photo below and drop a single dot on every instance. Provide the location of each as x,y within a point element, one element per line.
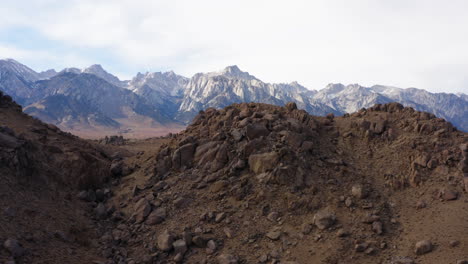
<point>402,43</point>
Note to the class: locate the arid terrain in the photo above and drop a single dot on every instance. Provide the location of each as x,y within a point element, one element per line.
<point>250,183</point>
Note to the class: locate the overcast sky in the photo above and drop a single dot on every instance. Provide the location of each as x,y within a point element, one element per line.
<point>403,43</point>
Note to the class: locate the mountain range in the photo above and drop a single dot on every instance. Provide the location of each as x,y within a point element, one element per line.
<point>91,102</point>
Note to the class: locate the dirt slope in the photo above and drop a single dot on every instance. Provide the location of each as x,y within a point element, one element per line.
<point>41,167</point>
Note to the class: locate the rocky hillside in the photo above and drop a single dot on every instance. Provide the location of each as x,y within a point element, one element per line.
<point>250,183</point>
<point>40,167</point>
<point>85,101</point>
<point>257,183</point>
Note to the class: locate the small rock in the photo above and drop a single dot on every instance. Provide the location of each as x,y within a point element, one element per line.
<point>448,195</point>
<point>14,247</point>
<point>423,247</point>
<point>421,204</point>
<point>306,228</point>
<point>100,196</point>
<point>377,227</point>
<point>402,260</point>
<point>454,243</point>
<point>178,258</point>
<point>227,259</point>
<point>179,246</point>
<point>359,191</point>
<point>349,202</point>
<point>342,233</point>
<point>210,247</point>
<point>361,247</point>
<point>101,211</point>
<point>220,217</point>
<point>273,216</point>
<point>228,232</point>
<point>324,219</point>
<point>274,235</point>
<point>156,217</point>
<point>165,241</point>
<point>370,251</point>
<point>463,261</point>
<point>199,241</point>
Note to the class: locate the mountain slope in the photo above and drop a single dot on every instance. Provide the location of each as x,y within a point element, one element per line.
<point>93,97</point>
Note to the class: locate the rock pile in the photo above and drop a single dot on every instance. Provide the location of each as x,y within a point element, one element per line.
<point>255,183</point>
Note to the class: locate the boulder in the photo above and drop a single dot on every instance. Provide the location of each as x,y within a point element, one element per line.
<point>291,106</point>
<point>260,163</point>
<point>142,210</point>
<point>183,156</point>
<point>256,130</point>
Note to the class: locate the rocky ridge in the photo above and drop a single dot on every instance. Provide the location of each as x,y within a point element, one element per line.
<point>256,183</point>
<point>155,103</point>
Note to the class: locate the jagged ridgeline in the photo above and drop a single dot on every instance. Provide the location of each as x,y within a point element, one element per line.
<point>257,183</point>
<point>91,102</point>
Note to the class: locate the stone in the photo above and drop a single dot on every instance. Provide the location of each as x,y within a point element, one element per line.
<point>306,228</point>
<point>210,247</point>
<point>199,241</point>
<point>342,233</point>
<point>165,240</point>
<point>227,259</point>
<point>402,260</point>
<point>359,191</point>
<point>14,247</point>
<point>116,168</point>
<point>220,217</point>
<point>454,243</point>
<point>179,246</point>
<point>260,163</point>
<point>156,217</point>
<point>423,247</point>
<point>256,130</point>
<point>448,194</point>
<point>377,227</point>
<point>101,211</point>
<point>228,232</point>
<point>273,216</point>
<point>183,156</point>
<point>463,261</point>
<point>349,202</point>
<point>274,235</point>
<point>178,258</point>
<point>142,210</point>
<point>291,106</point>
<point>324,219</point>
<point>361,247</point>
